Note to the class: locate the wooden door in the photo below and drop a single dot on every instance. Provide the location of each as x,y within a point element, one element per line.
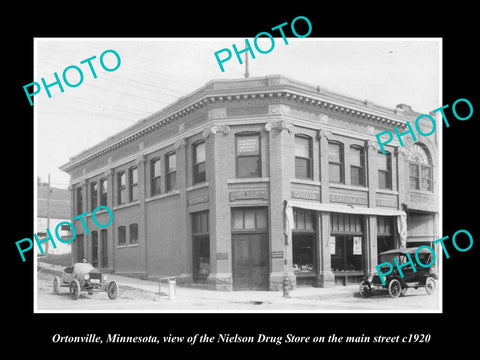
<point>250,261</point>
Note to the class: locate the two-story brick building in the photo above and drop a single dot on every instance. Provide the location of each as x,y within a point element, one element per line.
<point>244,182</point>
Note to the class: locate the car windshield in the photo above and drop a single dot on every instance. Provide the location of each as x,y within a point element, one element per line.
<point>82,267</point>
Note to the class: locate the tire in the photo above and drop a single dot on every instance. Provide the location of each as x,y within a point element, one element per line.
<point>75,289</point>
<point>430,285</point>
<point>56,285</point>
<point>364,289</point>
<point>394,288</point>
<point>112,290</point>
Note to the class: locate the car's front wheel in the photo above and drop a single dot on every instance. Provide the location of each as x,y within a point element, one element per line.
<point>394,288</point>
<point>112,290</point>
<point>365,290</point>
<point>56,285</point>
<point>430,285</point>
<point>75,289</point>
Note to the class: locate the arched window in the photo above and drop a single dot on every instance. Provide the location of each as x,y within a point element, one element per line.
<point>420,168</point>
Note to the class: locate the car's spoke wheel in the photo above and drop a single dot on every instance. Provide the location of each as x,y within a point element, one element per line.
<point>430,285</point>
<point>112,290</point>
<point>56,285</point>
<point>364,289</point>
<point>394,288</point>
<point>75,289</point>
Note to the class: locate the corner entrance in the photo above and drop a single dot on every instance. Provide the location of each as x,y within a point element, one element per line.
<point>250,249</point>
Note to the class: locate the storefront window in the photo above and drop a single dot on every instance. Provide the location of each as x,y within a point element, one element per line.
<point>303,241</point>
<point>201,246</point>
<point>94,261</point>
<point>385,240</point>
<point>346,242</point>
<point>249,163</point>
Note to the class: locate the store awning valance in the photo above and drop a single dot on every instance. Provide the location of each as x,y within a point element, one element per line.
<point>346,209</point>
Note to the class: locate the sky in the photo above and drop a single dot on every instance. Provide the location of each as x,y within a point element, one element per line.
<point>154,73</point>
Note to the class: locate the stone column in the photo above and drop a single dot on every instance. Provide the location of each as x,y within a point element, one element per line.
<point>325,276</point>
<point>217,143</point>
<point>282,165</point>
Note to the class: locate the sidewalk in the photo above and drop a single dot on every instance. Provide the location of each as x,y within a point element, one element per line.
<point>187,294</point>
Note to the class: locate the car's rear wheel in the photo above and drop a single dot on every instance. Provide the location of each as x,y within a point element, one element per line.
<point>365,290</point>
<point>75,289</point>
<point>112,290</point>
<point>430,285</point>
<point>56,285</point>
<point>394,288</point>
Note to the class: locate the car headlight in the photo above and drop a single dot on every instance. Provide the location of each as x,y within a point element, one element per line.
<point>86,276</point>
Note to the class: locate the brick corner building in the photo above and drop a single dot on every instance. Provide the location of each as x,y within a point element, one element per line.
<point>245,182</point>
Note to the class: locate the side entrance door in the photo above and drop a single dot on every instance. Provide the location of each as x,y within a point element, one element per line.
<point>250,261</point>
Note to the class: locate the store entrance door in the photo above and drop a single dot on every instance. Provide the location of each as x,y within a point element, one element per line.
<point>250,261</point>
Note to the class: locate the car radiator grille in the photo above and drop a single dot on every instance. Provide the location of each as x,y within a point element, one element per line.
<point>96,276</point>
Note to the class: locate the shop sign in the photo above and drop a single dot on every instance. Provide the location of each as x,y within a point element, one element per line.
<point>277,254</point>
<point>357,245</point>
<point>248,195</point>
<point>222,256</point>
<point>309,195</point>
<point>247,145</point>
<point>198,199</point>
<point>332,245</point>
<point>344,199</point>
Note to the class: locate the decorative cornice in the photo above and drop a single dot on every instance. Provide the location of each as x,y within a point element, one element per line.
<point>280,126</point>
<point>226,101</point>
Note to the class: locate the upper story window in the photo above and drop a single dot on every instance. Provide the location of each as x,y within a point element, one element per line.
<point>249,164</point>
<point>303,157</point>
<point>336,162</point>
<point>155,176</point>
<point>103,192</point>
<point>133,184</point>
<point>420,164</point>
<point>121,188</point>
<point>199,169</point>
<point>79,193</point>
<point>357,166</point>
<point>93,195</point>
<point>171,171</point>
<point>384,166</point>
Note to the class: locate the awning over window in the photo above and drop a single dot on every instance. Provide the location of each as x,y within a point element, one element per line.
<point>346,209</point>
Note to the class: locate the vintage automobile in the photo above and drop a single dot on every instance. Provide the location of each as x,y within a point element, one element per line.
<point>394,283</point>
<point>83,276</point>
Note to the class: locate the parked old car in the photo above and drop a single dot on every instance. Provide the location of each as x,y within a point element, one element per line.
<point>84,277</point>
<point>394,283</point>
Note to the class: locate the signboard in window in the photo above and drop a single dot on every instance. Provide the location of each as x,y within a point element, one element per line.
<point>332,245</point>
<point>357,245</point>
<point>247,145</point>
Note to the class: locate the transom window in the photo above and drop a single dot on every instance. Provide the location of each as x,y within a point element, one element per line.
<point>249,218</point>
<point>249,163</point>
<point>303,157</point>
<point>420,168</point>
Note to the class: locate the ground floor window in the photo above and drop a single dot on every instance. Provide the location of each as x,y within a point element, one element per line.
<point>303,241</point>
<point>94,261</point>
<point>385,240</point>
<point>200,246</point>
<point>346,242</point>
<point>104,246</point>
<point>80,249</point>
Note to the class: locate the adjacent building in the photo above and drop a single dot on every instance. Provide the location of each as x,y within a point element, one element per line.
<point>245,182</point>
